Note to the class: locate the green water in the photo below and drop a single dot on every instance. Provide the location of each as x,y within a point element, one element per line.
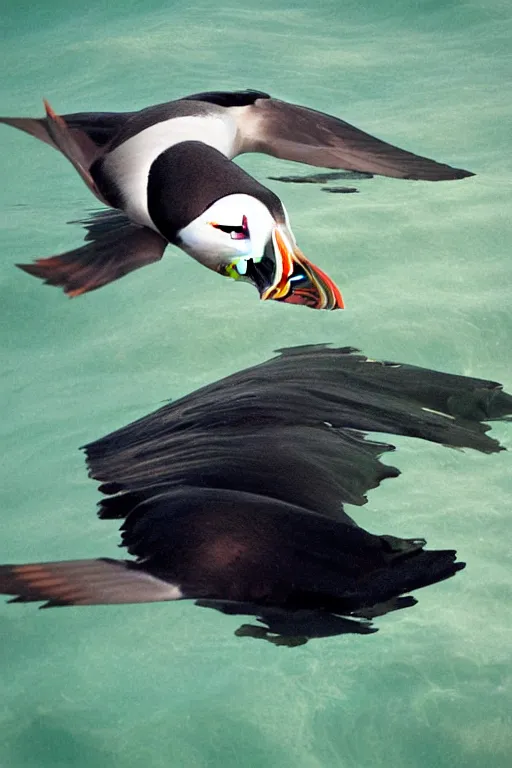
<point>425,271</point>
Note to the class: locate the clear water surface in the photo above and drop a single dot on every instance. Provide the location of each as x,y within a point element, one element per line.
<point>425,270</point>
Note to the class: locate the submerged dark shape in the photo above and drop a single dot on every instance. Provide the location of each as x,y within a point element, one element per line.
<point>234,496</point>
<point>168,170</point>
<point>340,190</point>
<point>323,178</point>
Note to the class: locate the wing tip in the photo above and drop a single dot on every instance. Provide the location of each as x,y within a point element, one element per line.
<point>51,272</point>
<point>454,174</point>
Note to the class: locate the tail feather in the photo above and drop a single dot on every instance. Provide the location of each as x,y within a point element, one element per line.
<point>83,582</point>
<point>76,145</point>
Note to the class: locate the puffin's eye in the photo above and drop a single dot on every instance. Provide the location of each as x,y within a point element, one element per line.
<point>235,232</point>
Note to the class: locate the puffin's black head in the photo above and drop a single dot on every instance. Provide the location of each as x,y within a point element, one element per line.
<point>226,220</point>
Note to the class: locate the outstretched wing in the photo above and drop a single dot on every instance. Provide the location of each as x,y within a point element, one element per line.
<point>81,137</point>
<point>100,127</point>
<point>292,132</point>
<point>114,247</point>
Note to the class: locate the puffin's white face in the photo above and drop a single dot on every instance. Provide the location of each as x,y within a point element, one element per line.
<point>238,237</point>
<point>233,230</point>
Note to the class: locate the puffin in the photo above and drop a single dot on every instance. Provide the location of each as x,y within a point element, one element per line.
<point>234,496</point>
<point>167,176</point>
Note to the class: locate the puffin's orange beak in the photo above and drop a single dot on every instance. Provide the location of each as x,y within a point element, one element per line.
<point>296,280</point>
